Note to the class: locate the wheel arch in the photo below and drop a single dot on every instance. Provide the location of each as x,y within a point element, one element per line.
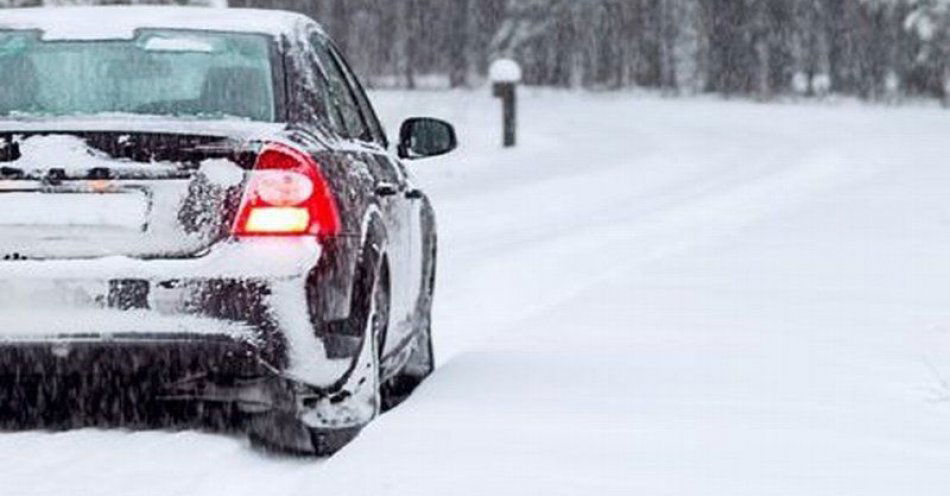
<point>430,248</point>
<point>331,284</point>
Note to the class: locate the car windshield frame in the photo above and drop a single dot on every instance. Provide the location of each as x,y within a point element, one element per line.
<point>275,63</point>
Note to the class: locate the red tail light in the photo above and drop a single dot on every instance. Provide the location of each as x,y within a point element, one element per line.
<point>287,196</point>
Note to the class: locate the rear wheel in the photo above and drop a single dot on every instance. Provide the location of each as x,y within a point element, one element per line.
<point>282,431</point>
<point>421,360</point>
<point>379,327</point>
<point>421,363</point>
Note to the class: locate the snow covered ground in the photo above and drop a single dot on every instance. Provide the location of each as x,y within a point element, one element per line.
<point>647,296</point>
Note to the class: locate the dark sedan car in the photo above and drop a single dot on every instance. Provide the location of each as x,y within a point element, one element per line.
<point>200,212</point>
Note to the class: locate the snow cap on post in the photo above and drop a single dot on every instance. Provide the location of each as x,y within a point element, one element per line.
<point>505,71</point>
<point>505,75</point>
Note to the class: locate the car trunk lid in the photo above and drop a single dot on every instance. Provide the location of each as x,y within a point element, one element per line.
<point>145,194</point>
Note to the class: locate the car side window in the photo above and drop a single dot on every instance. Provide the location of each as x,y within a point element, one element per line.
<point>341,96</point>
<point>369,115</point>
<point>320,93</point>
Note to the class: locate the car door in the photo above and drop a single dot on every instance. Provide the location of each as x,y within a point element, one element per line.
<point>366,148</point>
<point>413,196</point>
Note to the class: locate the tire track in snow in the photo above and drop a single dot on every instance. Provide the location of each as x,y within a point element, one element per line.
<point>613,238</point>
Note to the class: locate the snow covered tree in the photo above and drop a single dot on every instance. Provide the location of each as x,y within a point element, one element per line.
<point>929,22</point>
<point>878,49</point>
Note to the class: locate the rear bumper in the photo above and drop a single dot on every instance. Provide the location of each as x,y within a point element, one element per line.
<point>232,326</point>
<point>143,370</point>
<point>249,290</point>
<point>129,382</point>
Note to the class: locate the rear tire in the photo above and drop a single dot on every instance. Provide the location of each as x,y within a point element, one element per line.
<point>283,432</point>
<point>421,361</point>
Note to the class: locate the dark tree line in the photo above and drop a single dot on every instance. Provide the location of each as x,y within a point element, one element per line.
<point>877,49</point>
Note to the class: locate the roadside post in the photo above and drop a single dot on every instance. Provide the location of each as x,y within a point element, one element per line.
<point>505,75</point>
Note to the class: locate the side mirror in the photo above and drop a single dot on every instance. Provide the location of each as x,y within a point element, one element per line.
<point>422,137</point>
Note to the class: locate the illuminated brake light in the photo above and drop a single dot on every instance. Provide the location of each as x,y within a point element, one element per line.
<point>272,220</point>
<point>286,195</point>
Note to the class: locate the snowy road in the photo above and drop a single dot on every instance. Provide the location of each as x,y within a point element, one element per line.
<point>647,297</point>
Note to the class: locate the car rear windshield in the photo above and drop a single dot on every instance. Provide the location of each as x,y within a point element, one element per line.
<point>159,72</point>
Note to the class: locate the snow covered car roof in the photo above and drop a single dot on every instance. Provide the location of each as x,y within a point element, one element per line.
<point>120,22</point>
